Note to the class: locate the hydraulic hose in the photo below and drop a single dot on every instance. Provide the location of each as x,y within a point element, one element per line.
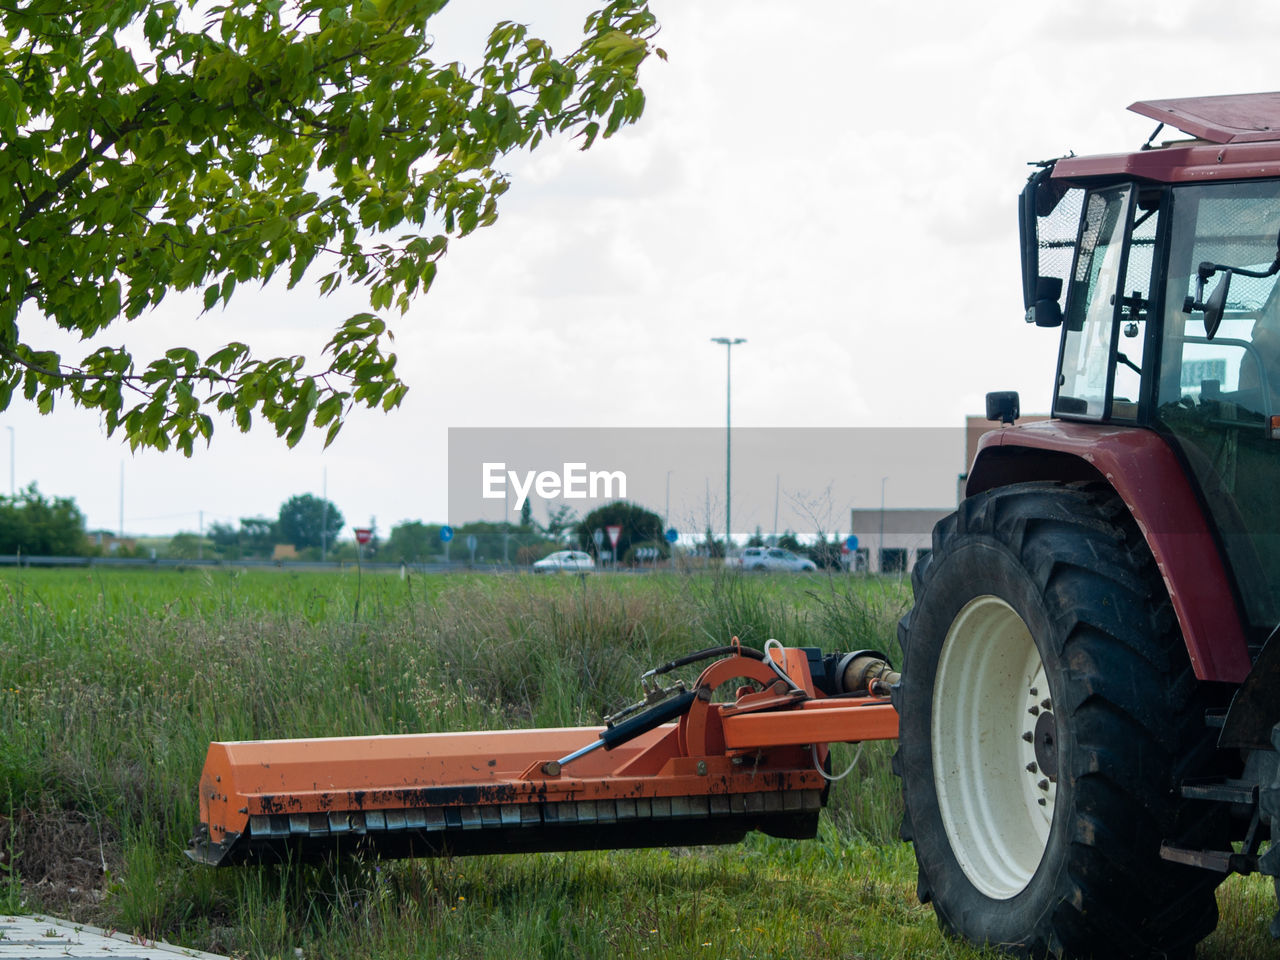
<point>707,654</point>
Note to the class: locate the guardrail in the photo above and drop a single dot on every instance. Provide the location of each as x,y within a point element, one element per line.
<point>26,560</point>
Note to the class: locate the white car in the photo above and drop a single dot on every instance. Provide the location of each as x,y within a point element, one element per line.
<point>565,561</point>
<point>770,558</point>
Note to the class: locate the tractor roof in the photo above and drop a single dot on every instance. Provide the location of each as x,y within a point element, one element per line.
<point>1239,118</point>
<point>1235,137</point>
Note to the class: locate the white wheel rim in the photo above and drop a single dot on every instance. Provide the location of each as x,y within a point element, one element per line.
<point>995,802</point>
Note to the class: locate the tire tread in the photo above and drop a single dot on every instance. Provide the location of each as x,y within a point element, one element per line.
<point>1120,641</point>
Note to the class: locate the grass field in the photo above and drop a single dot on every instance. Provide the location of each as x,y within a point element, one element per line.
<point>112,683</point>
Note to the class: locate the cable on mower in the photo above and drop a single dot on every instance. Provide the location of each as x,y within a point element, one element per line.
<point>857,755</point>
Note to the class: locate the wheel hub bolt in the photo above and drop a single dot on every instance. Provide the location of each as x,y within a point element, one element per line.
<point>1045,741</point>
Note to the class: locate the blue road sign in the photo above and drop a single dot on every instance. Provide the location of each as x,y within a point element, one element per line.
<point>671,535</point>
<point>446,533</point>
<point>852,543</point>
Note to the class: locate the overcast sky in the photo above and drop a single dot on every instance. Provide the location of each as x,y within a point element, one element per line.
<point>835,182</point>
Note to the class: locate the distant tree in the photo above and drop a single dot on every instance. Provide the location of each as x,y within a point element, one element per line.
<point>32,524</point>
<point>184,546</point>
<point>225,539</point>
<point>305,522</point>
<point>223,534</point>
<point>344,551</point>
<point>526,515</point>
<point>638,525</point>
<point>825,554</point>
<point>756,539</point>
<point>710,546</point>
<point>789,541</point>
<point>257,536</point>
<point>561,522</point>
<point>412,542</point>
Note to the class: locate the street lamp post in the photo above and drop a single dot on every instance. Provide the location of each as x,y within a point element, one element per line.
<point>729,344</point>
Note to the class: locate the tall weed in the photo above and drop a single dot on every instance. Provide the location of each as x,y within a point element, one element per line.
<point>112,684</point>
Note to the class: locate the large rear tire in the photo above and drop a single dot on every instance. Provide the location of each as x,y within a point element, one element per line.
<point>1269,801</point>
<point>1048,713</point>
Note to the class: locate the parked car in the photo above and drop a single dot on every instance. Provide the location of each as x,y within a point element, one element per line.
<point>770,558</point>
<point>565,561</point>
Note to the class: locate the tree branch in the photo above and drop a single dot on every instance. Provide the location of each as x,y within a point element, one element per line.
<point>69,175</point>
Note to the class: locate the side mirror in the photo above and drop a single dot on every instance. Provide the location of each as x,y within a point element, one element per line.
<point>1216,305</point>
<point>1003,405</point>
<point>1046,312</point>
<point>1040,295</point>
<point>1029,240</point>
<point>1039,198</point>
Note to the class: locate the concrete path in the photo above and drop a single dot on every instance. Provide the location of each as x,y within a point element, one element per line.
<point>35,937</point>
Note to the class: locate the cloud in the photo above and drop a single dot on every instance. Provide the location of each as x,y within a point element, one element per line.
<point>833,181</point>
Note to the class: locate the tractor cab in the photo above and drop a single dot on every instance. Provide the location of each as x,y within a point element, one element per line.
<point>1054,743</point>
<point>1161,267</point>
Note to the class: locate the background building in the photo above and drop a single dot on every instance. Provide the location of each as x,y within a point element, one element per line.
<point>894,541</point>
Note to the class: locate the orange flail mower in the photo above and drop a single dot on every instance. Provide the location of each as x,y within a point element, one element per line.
<point>681,766</point>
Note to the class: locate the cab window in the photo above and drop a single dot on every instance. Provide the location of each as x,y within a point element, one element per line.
<point>1217,394</point>
<point>1083,383</point>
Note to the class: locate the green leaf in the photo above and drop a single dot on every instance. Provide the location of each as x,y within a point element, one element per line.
<point>249,146</point>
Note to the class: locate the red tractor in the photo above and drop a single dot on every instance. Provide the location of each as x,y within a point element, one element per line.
<point>1088,712</point>
<point>1090,698</point>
